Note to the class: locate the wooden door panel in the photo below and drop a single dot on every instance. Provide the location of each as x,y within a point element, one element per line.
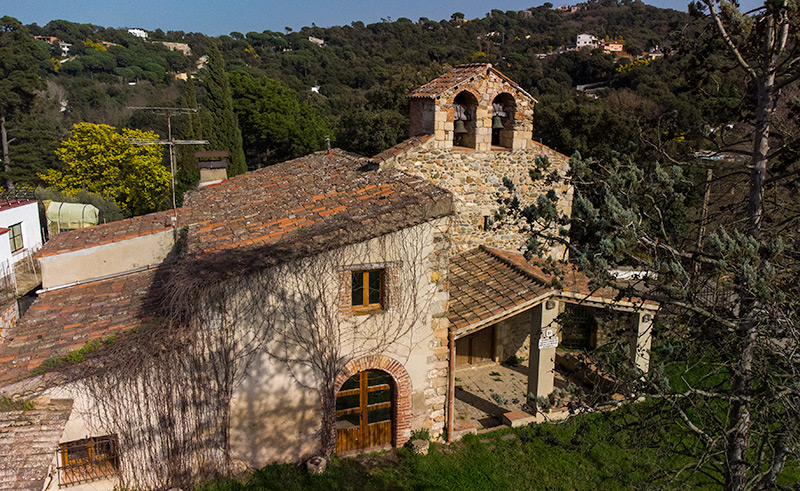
<point>462,351</point>
<point>475,348</point>
<point>364,412</point>
<point>482,345</point>
<point>348,439</point>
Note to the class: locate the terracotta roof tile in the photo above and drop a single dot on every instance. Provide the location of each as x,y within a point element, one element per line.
<point>28,443</point>
<point>489,283</point>
<point>6,204</point>
<point>291,201</point>
<point>290,209</point>
<point>62,320</point>
<point>483,285</point>
<point>107,233</point>
<point>402,147</point>
<point>449,80</point>
<point>457,76</point>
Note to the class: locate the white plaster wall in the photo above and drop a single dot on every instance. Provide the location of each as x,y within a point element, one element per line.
<point>28,215</point>
<point>106,259</point>
<point>5,251</point>
<point>276,411</point>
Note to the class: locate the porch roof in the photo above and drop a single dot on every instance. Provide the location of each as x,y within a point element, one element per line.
<point>489,285</point>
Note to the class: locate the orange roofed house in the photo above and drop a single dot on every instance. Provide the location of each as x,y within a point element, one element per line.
<point>327,300</point>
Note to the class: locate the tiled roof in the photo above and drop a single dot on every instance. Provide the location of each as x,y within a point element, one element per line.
<point>449,80</point>
<point>488,284</point>
<point>286,210</point>
<point>28,443</point>
<point>64,320</point>
<point>456,76</point>
<point>340,198</point>
<point>483,286</point>
<point>107,233</point>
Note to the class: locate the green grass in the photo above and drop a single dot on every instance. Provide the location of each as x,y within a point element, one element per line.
<point>600,451</point>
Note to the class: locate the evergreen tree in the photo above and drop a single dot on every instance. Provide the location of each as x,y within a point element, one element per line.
<point>224,133</point>
<point>19,77</point>
<point>188,173</point>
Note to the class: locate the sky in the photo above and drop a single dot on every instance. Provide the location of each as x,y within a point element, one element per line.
<point>216,17</point>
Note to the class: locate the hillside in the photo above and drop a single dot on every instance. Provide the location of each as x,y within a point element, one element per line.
<point>350,82</point>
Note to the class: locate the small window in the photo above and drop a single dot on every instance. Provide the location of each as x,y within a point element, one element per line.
<point>367,290</point>
<point>15,237</point>
<point>87,460</point>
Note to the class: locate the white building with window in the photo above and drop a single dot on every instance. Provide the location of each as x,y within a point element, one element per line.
<point>586,40</point>
<point>20,232</point>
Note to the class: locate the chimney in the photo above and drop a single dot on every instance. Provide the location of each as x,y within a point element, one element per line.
<point>212,171</point>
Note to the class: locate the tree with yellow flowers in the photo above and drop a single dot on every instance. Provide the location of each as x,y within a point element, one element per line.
<point>102,160</point>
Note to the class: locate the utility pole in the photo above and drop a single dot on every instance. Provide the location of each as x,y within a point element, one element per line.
<point>170,143</point>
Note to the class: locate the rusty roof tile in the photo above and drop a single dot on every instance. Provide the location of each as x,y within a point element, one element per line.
<point>28,443</point>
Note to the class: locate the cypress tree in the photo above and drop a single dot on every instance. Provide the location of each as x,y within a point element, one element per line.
<point>188,173</point>
<point>224,132</point>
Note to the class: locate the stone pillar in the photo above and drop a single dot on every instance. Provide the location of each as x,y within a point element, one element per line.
<point>641,336</point>
<point>541,364</point>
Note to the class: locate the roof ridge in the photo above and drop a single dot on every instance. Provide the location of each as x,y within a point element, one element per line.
<point>516,267</point>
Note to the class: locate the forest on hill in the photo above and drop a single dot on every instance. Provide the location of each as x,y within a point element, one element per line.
<point>291,90</point>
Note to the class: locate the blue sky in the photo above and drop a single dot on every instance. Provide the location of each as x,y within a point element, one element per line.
<point>215,17</point>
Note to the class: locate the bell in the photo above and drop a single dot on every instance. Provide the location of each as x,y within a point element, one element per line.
<point>497,123</point>
<point>459,127</point>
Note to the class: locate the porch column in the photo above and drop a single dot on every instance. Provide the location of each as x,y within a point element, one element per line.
<point>640,339</point>
<point>544,339</point>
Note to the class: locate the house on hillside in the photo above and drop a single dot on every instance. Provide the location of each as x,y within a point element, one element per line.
<point>586,40</point>
<point>139,33</point>
<point>345,293</point>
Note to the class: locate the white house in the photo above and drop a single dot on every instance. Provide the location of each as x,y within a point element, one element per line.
<point>20,232</point>
<point>586,40</point>
<point>139,33</point>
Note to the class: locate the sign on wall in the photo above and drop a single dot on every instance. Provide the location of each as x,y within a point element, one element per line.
<point>548,342</point>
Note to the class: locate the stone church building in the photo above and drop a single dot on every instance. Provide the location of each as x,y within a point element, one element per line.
<point>395,270</point>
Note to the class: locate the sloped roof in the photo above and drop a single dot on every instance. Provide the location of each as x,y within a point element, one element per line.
<point>488,285</point>
<point>28,443</point>
<point>483,286</point>
<point>293,209</point>
<point>296,200</point>
<point>457,76</point>
<point>271,204</point>
<point>64,320</point>
<point>107,233</point>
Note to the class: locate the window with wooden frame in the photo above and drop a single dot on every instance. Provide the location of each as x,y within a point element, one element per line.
<point>15,237</point>
<point>367,290</point>
<point>87,460</point>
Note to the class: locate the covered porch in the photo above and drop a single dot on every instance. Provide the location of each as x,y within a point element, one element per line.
<point>508,365</point>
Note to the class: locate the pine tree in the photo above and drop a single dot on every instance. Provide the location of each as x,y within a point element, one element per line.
<point>224,133</point>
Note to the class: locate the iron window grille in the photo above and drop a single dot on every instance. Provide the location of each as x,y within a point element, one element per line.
<point>87,460</point>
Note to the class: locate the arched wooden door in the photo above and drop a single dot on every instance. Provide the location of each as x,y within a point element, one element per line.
<point>364,411</point>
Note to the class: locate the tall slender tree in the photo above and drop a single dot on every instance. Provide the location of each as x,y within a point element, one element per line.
<point>224,133</point>
<point>191,128</point>
<point>19,78</point>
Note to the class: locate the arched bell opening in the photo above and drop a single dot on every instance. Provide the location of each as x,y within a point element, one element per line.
<point>503,113</point>
<point>464,106</point>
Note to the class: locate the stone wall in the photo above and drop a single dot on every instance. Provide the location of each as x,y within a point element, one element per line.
<point>9,314</point>
<point>476,180</point>
<point>514,336</point>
